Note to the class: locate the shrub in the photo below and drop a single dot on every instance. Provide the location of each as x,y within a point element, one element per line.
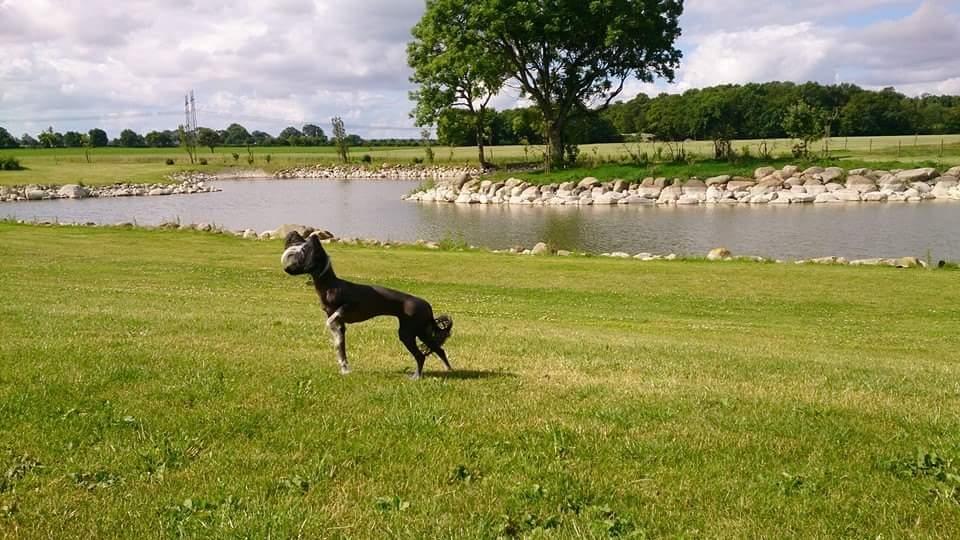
<point>267,157</point>
<point>203,161</point>
<point>417,161</point>
<point>366,158</point>
<point>236,156</point>
<point>170,161</point>
<point>10,164</point>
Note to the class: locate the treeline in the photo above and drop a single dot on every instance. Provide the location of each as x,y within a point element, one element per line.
<point>757,111</point>
<point>233,135</point>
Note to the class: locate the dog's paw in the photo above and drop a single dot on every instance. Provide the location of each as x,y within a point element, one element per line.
<point>414,376</point>
<point>344,371</point>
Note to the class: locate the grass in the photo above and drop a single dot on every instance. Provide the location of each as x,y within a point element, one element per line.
<point>144,165</point>
<point>165,384</point>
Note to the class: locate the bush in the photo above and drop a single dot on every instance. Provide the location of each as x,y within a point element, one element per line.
<point>170,161</point>
<point>10,164</point>
<point>236,156</point>
<point>203,161</point>
<point>366,158</point>
<point>417,161</point>
<point>267,157</point>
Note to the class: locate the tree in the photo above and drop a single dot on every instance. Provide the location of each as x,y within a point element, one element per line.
<point>236,135</point>
<point>188,141</point>
<point>453,66</point>
<point>261,138</point>
<point>131,139</point>
<point>289,136</point>
<point>569,55</point>
<point>72,139</point>
<point>208,137</point>
<point>98,137</point>
<point>50,138</point>
<point>314,135</point>
<point>28,141</point>
<point>340,139</point>
<point>160,139</point>
<point>7,140</point>
<point>804,123</point>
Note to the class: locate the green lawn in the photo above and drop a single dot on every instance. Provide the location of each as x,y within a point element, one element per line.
<point>109,165</point>
<point>162,383</point>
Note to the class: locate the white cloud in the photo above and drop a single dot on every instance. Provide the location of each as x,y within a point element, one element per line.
<point>275,63</point>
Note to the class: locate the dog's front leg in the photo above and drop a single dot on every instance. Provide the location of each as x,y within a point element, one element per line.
<point>339,332</point>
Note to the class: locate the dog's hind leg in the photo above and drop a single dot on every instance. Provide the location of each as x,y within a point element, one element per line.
<point>409,340</point>
<point>339,332</point>
<point>428,339</point>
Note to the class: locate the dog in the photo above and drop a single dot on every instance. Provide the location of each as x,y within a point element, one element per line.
<point>347,303</point>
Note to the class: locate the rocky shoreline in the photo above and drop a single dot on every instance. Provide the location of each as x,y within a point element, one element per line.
<point>540,249</point>
<point>185,185</point>
<point>788,185</point>
<point>386,172</point>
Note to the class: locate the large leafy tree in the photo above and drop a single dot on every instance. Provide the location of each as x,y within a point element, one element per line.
<point>209,138</point>
<point>454,66</point>
<point>7,140</point>
<point>130,139</point>
<point>98,137</point>
<point>571,55</point>
<point>236,135</point>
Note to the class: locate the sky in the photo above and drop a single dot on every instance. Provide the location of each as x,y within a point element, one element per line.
<point>268,64</point>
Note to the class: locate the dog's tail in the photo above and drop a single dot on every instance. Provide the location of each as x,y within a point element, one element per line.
<point>442,327</point>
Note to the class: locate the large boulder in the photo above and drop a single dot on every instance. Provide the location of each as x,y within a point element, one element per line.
<point>540,249</point>
<point>283,230</point>
<point>669,194</point>
<point>830,174</point>
<point>826,198</point>
<point>847,195</point>
<point>875,196</point>
<point>719,254</point>
<point>954,172</point>
<point>73,191</point>
<point>917,175</point>
<point>694,187</point>
<point>740,184</point>
<point>717,180</point>
<point>589,182</point>
<point>943,185</point>
<point>620,185</point>
<point>763,172</point>
<point>861,184</point>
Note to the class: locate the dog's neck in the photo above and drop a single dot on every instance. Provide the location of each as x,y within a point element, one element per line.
<point>324,277</point>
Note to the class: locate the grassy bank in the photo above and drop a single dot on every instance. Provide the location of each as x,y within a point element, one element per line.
<point>109,165</point>
<point>156,384</point>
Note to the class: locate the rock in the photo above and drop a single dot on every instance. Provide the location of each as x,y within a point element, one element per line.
<point>811,171</point>
<point>861,184</point>
<point>540,249</point>
<point>688,199</point>
<point>941,189</point>
<point>694,187</point>
<point>620,255</point>
<point>847,195</point>
<point>954,172</point>
<point>717,180</point>
<point>283,230</point>
<point>831,173</point>
<point>740,184</point>
<point>589,182</point>
<point>826,198</point>
<point>73,191</point>
<point>650,192</point>
<point>250,234</point>
<point>763,172</point>
<point>669,194</point>
<point>832,187</point>
<point>563,253</point>
<point>719,254</point>
<point>876,196</point>
<point>463,198</point>
<point>789,170</point>
<point>917,175</point>
<point>908,262</point>
<point>35,194</point>
<point>620,185</point>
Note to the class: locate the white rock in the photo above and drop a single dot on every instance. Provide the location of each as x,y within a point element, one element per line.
<point>826,198</point>
<point>73,191</point>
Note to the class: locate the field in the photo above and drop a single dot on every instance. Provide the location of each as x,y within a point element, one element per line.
<point>109,165</point>
<point>160,384</point>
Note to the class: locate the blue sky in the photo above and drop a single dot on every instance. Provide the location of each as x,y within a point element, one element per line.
<point>114,65</point>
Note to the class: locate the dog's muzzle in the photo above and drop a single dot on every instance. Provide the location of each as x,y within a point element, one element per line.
<point>292,260</point>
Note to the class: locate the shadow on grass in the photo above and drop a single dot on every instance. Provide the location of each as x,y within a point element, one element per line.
<point>467,374</point>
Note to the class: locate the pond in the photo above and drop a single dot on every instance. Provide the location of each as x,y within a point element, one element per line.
<point>373,209</point>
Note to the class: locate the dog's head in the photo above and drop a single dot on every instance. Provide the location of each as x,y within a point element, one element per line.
<point>303,256</point>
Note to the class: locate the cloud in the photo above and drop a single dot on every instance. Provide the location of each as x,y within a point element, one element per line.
<point>269,64</point>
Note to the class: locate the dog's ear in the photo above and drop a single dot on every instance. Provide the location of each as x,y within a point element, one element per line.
<point>315,242</point>
<point>293,239</point>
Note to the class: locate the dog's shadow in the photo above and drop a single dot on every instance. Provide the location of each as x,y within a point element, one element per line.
<point>467,374</point>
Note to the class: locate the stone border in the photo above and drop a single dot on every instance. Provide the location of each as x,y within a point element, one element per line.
<point>788,185</point>
<point>39,192</point>
<point>540,249</point>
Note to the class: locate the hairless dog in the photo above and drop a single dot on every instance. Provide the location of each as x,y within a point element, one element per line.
<point>346,303</point>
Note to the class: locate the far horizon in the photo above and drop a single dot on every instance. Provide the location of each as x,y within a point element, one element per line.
<point>287,64</point>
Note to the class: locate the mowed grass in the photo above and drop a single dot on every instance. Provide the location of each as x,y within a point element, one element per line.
<point>160,384</point>
<point>145,165</point>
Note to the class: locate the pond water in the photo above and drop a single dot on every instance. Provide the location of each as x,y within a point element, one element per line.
<point>373,209</point>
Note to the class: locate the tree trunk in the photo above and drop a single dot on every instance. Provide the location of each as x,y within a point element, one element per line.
<point>479,116</point>
<point>555,149</point>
